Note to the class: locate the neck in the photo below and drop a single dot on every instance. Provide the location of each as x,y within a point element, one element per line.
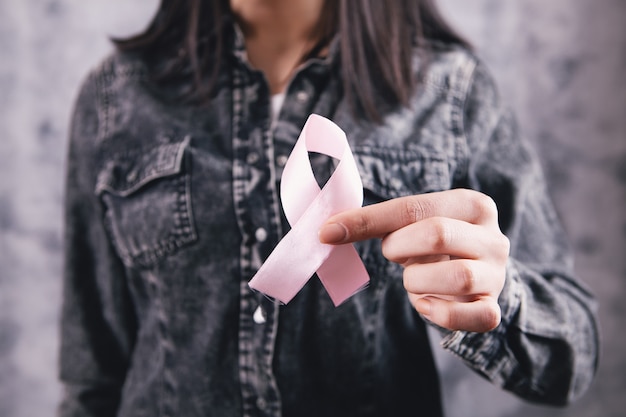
<point>278,33</point>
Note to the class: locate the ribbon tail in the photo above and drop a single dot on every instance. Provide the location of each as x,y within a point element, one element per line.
<point>296,257</point>
<point>343,273</point>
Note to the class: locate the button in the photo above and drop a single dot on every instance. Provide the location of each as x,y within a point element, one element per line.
<point>252,158</point>
<point>302,96</point>
<point>281,160</point>
<point>260,234</point>
<point>259,315</point>
<point>261,404</point>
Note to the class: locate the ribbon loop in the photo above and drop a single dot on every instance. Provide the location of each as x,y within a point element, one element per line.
<point>300,254</point>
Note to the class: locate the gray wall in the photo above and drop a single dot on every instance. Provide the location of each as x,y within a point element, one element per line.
<point>560,64</point>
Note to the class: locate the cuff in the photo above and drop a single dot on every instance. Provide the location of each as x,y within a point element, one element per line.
<point>486,353</point>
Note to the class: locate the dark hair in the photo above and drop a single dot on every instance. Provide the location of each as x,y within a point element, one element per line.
<point>377,40</point>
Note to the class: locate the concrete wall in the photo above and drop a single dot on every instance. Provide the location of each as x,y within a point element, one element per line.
<point>560,65</point>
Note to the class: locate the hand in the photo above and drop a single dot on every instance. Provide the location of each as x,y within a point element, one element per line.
<point>450,245</point>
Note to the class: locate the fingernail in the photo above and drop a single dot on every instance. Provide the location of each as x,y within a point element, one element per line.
<point>333,233</point>
<point>424,306</point>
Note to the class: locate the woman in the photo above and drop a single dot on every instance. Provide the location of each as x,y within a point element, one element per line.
<point>177,149</point>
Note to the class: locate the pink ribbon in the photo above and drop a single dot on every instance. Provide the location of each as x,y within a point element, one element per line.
<point>300,254</point>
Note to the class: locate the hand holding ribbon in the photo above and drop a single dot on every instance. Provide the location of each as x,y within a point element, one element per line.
<point>300,254</point>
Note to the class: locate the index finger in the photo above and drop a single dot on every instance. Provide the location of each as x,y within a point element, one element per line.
<point>378,220</point>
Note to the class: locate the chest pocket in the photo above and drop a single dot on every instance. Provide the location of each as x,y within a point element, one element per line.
<point>389,173</point>
<point>148,206</point>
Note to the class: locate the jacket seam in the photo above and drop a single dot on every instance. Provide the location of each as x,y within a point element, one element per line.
<point>460,89</point>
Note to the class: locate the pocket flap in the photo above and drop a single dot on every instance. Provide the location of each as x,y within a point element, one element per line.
<point>127,173</point>
<point>393,173</point>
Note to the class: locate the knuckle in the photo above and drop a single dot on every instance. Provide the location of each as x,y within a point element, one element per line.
<point>465,278</point>
<point>414,210</point>
<point>500,247</point>
<point>483,206</point>
<point>504,245</point>
<point>492,316</point>
<point>440,235</point>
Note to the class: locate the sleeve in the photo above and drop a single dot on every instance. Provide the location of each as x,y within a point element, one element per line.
<point>97,321</point>
<point>546,347</point>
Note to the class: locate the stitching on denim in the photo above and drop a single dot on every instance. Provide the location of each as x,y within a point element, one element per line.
<point>182,234</point>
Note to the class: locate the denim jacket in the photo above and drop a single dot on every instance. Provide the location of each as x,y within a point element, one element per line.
<point>171,208</point>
